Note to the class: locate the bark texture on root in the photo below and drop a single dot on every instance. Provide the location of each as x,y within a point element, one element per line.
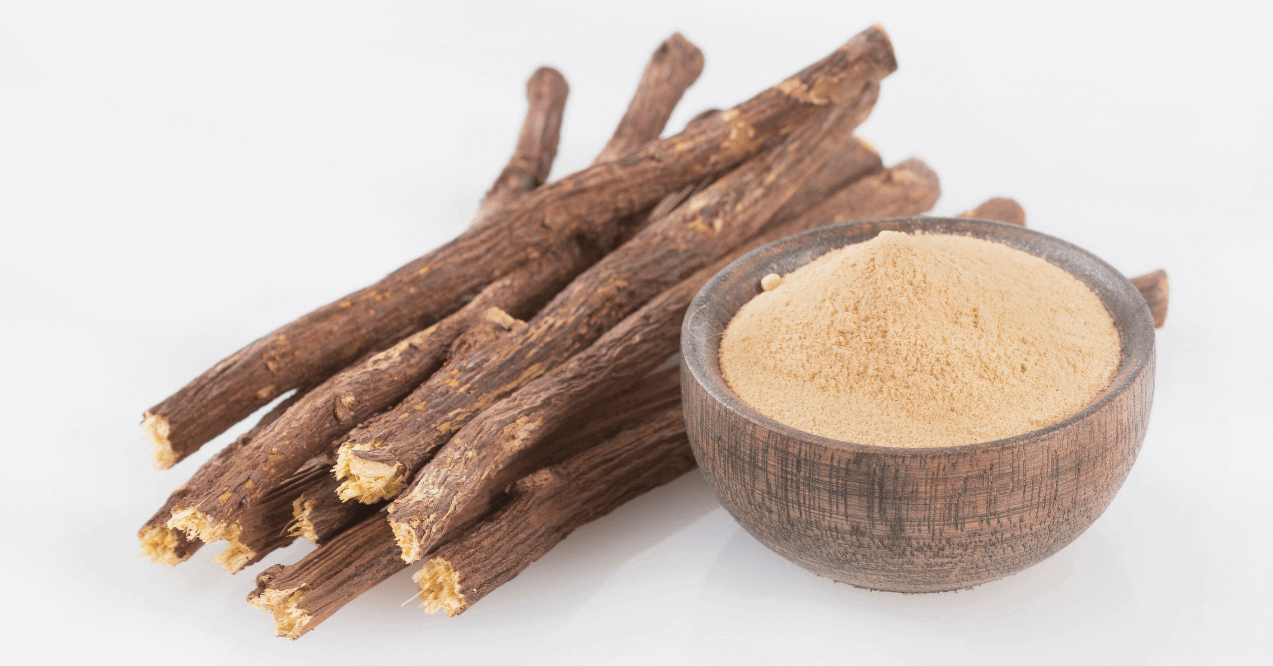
<point>855,158</point>
<point>475,465</point>
<point>369,387</point>
<point>908,186</point>
<point>302,595</point>
<point>532,159</point>
<point>641,398</point>
<point>317,345</point>
<point>638,401</point>
<point>350,397</point>
<point>363,390</point>
<point>672,69</point>
<point>166,545</point>
<point>707,226</point>
<point>353,558</point>
<point>265,528</point>
<point>998,209</point>
<point>319,515</point>
<point>1155,288</point>
<point>550,504</point>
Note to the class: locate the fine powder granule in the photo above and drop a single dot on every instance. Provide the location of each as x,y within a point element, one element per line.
<point>921,340</point>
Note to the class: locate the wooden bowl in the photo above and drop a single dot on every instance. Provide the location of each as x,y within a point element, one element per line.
<point>914,519</point>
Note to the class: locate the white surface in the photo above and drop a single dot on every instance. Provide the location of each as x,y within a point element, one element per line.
<point>178,179</point>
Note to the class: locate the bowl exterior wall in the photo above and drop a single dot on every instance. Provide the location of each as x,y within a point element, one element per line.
<point>920,521</point>
<point>914,519</point>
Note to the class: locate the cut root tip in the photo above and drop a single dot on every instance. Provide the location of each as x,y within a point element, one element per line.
<point>440,588</point>
<point>199,525</point>
<point>157,430</point>
<point>289,618</point>
<point>160,545</point>
<point>301,525</point>
<point>234,557</point>
<point>408,541</point>
<point>368,481</point>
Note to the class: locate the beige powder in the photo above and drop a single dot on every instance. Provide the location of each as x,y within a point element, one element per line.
<point>926,340</point>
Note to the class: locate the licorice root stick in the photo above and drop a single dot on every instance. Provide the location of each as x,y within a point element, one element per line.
<point>1154,287</point>
<point>495,448</point>
<point>167,545</point>
<point>319,515</point>
<point>425,290</point>
<point>329,411</point>
<point>304,594</point>
<point>998,209</point>
<point>265,527</point>
<point>364,389</point>
<point>550,504</point>
<point>709,225</point>
<point>672,69</point>
<point>354,560</point>
<point>536,148</point>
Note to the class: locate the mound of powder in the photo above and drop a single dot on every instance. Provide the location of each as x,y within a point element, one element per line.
<point>924,340</point>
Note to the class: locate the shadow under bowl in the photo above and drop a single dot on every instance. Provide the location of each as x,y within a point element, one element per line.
<point>911,519</point>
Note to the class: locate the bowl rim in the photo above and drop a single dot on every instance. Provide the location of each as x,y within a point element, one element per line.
<point>1136,337</point>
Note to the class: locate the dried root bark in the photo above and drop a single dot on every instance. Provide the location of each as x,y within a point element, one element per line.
<point>635,346</point>
<point>166,545</point>
<point>365,389</point>
<point>709,225</point>
<point>319,515</point>
<point>672,69</point>
<point>304,594</point>
<point>362,390</point>
<point>264,529</point>
<point>532,159</point>
<point>1155,287</point>
<point>588,203</point>
<point>550,504</point>
<point>368,388</point>
<point>639,401</point>
<point>854,159</point>
<point>998,209</point>
<point>476,464</point>
<point>354,557</point>
<point>641,398</point>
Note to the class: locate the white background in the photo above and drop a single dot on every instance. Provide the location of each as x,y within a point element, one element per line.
<point>177,179</point>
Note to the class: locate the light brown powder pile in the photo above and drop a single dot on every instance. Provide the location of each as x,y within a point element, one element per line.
<point>926,340</point>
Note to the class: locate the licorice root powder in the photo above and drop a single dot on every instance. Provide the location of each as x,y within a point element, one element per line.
<point>921,340</point>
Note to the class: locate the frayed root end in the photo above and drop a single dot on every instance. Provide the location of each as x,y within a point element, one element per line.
<point>367,481</point>
<point>199,525</point>
<point>289,618</point>
<point>440,588</point>
<point>301,526</point>
<point>234,557</point>
<point>408,541</point>
<point>157,430</point>
<point>160,544</point>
